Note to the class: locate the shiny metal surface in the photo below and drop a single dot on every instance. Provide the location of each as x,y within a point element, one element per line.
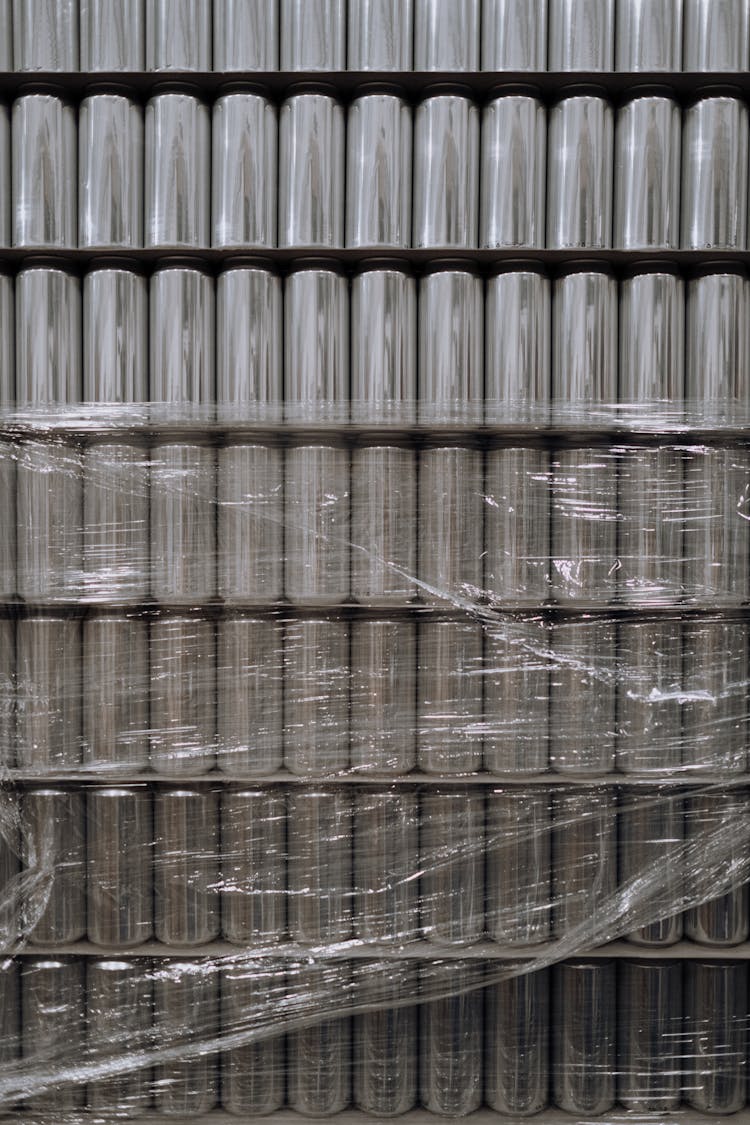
<point>248,695</point>
<point>582,692</point>
<point>316,521</point>
<point>119,849</point>
<point>8,516</point>
<point>10,1013</point>
<point>450,335</point>
<point>311,170</point>
<point>585,518</point>
<point>651,855</point>
<point>182,319</point>
<point>715,1047</point>
<point>385,1042</point>
<point>44,146</point>
<point>253,1076</point>
<point>316,696</point>
<point>5,192</point>
<point>584,865</point>
<point>584,338</point>
<point>248,347</point>
<point>712,828</point>
<point>647,173</point>
<point>716,533</point>
<point>7,343</point>
<point>115,522</point>
<point>517,320</point>
<point>716,35</point>
<point>581,35</point>
<point>449,697</point>
<point>650,554</point>
<point>450,1039</point>
<point>319,865</point>
<point>253,866</point>
<point>516,1050</point>
<point>714,174</point>
<point>513,172</point>
<point>386,862</point>
<point>53,848</point>
<point>516,525</point>
<point>383,368</point>
<point>648,35</point>
<point>319,1071</point>
<point>110,171</point>
<point>48,700</point>
<point>649,698</point>
<point>313,34</point>
<point>451,864</point>
<point>451,501</point>
<point>316,346</point>
<point>186,1014</point>
<point>583,1040</point>
<point>515,723</point>
<point>445,207</point>
<point>7,717</point>
<point>183,500</point>
<point>115,337</point>
<point>45,36</point>
<point>49,513</point>
<point>514,34</point>
<point>652,341</point>
<point>115,694</point>
<point>380,34</point>
<point>177,197</point>
<point>246,35</point>
<point>119,1015</point>
<point>53,1009</point>
<point>6,63</point>
<point>715,671</point>
<point>178,35</point>
<point>244,162</point>
<point>384,548</point>
<point>717,345</point>
<point>519,868</point>
<point>113,34</point>
<point>382,701</point>
<point>187,908</point>
<point>649,1022</point>
<point>579,172</point>
<point>48,338</point>
<point>183,685</point>
<point>446,34</point>
<point>378,170</point>
<point>250,498</point>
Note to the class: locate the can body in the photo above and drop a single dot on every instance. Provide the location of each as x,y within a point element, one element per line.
<point>516,1051</point>
<point>110,172</point>
<point>449,697</point>
<point>177,203</point>
<point>582,691</point>
<point>383,347</point>
<point>584,340</point>
<point>514,172</point>
<point>379,34</point>
<point>386,860</point>
<point>716,1035</point>
<point>651,542</point>
<point>178,35</point>
<point>115,522</point>
<point>311,170</point>
<point>186,867</point>
<point>313,34</point>
<point>119,1008</point>
<point>246,35</point>
<point>516,526</point>
<point>8,580</point>
<point>451,359</point>
<point>316,696</point>
<point>649,685</point>
<point>248,347</point>
<point>649,35</point>
<point>48,338</point>
<point>714,174</point>
<point>182,368</point>
<point>8,680</point>
<point>583,1042</point>
<point>584,525</point>
<point>717,346</point>
<point>5,190</point>
<point>451,862</point>
<point>714,721</point>
<point>253,1077</point>
<point>316,346</point>
<point>186,1014</point>
<point>515,724</point>
<point>253,866</point>
<point>450,524</point>
<point>378,171</point>
<point>514,35</point>
<point>716,537</point>
<point>581,34</point>
<point>115,339</point>
<point>385,1042</point>
<point>450,1039</point>
<point>446,34</point>
<point>579,182</point>
<point>652,342</point>
<point>53,844</point>
<point>49,516</point>
<point>183,684</point>
<point>446,172</point>
<point>113,35</point>
<point>384,549</point>
<point>716,35</point>
<point>45,36</point>
<point>518,324</point>
<point>317,522</point>
<point>48,701</point>
<point>183,515</point>
<point>120,855</point>
<point>584,864</point>
<point>250,523</point>
<point>243,170</point>
<point>649,1021</point>
<point>713,823</point>
<point>319,1075</point>
<point>382,705</point>
<point>115,694</point>
<point>319,865</point>
<point>647,173</point>
<point>651,862</point>
<point>43,135</point>
<point>519,867</point>
<point>248,695</point>
<point>53,1002</point>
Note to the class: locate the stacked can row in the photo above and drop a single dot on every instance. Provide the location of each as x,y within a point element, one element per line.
<point>317,175</point>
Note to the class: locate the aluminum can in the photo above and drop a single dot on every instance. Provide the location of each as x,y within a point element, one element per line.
<point>44,147</point>
<point>115,339</point>
<point>49,514</point>
<point>311,168</point>
<point>446,169</point>
<point>584,339</point>
<point>714,1044</point>
<point>383,345</point>
<point>649,698</point>
<point>516,1050</point>
<point>379,34</point>
<point>187,907</point>
<point>53,1003</point>
<point>450,1038</point>
<point>182,315</point>
<point>48,338</point>
<point>8,455</point>
<point>714,826</point>
<point>7,343</point>
<point>582,690</point>
<point>384,517</point>
<point>5,191</point>
<point>378,169</point>
<point>110,171</point>
<point>385,1040</point>
<point>649,35</point>
<point>48,700</point>
<point>248,347</point>
<point>119,1011</point>
<point>316,345</point>
<point>10,1012</point>
<point>581,35</point>
<point>647,171</point>
<point>584,866</point>
<point>714,717</point>
<point>8,688</point>
<point>183,517</point>
<point>253,1076</point>
<point>250,500</point>
<point>579,171</point>
<point>113,35</point>
<point>517,343</point>
<point>452,850</point>
<point>516,525</point>
<point>584,1036</point>
<point>183,692</point>
<point>585,518</point>
<point>514,34</point>
<point>513,171</point>
<point>651,538</point>
<point>249,677</point>
<point>243,169</point>
<point>45,36</point>
<point>519,866</point>
<point>516,697</point>
<point>717,346</point>
<point>383,693</point>
<point>119,846</point>
<point>177,166</point>
<point>253,866</point>
<point>716,35</point>
<point>246,35</point>
<point>186,1013</point>
<point>178,35</point>
<point>313,34</point>
<point>715,532</point>
<point>451,503</point>
<point>319,1071</point>
<point>451,355</point>
<point>115,522</point>
<point>649,1036</point>
<point>115,694</point>
<point>6,36</point>
<point>714,173</point>
<point>316,696</point>
<point>53,845</point>
<point>316,523</point>
<point>386,862</point>
<point>652,342</point>
<point>651,863</point>
<point>319,865</point>
<point>446,34</point>
<point>449,696</point>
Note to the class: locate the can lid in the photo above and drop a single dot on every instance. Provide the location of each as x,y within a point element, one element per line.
<point>310,86</point>
<point>175,86</point>
<point>446,87</point>
<point>714,89</point>
<point>384,263</point>
<point>237,86</point>
<point>651,266</point>
<point>117,262</point>
<point>181,262</point>
<point>375,86</point>
<point>41,86</point>
<point>648,90</point>
<point>99,86</point>
<point>300,265</point>
<point>581,90</point>
<point>590,265</point>
<point>706,269</point>
<point>514,89</point>
<point>444,265</point>
<point>248,262</point>
<point>519,265</point>
<point>49,262</point>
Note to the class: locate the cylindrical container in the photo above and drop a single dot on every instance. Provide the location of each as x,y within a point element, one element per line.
<point>516,697</point>
<point>49,514</point>
<point>517,345</point>
<point>715,527</point>
<point>651,863</point>
<point>5,192</point>
<point>584,340</point>
<point>246,35</point>
<point>449,696</point>
<point>584,864</point>
<point>183,514</point>
<point>316,344</point>
<point>379,34</point>
<point>177,170</point>
<point>243,169</point>
<point>48,693</point>
<point>8,488</point>
<point>514,34</point>
<point>450,1038</point>
<point>43,135</point>
<point>253,866</point>
<point>115,693</point>
<point>115,522</point>
<point>717,346</point>
<point>182,338</point>
<point>446,168</point>
<point>311,167</point>
<point>48,338</point>
<point>378,169</point>
<point>649,1036</point>
<point>110,171</point>
<point>714,826</point>
<point>253,1076</point>
<point>115,338</point>
<point>650,538</point>
<point>113,35</point>
<point>446,34</point>
<point>451,355</point>
<point>53,1006</point>
<point>584,1036</point>
<point>316,524</point>
<point>581,35</point>
<point>714,1042</point>
<point>318,1080</point>
<point>10,1012</point>
<point>383,695</point>
<point>652,342</point>
<point>384,516</point>
<point>648,35</point>
<point>53,848</point>
<point>386,1041</point>
<point>250,523</point>
<point>716,35</point>
<point>516,1044</point>
<point>582,693</point>
<point>386,862</point>
<point>178,35</point>
<point>183,686</point>
<point>383,345</point>
<point>319,865</point>
<point>119,1017</point>
<point>45,36</point>
<point>585,518</point>
<point>514,171</point>
<point>313,34</point>
<point>714,675</point>
<point>451,502</point>
<point>186,1016</point>
<point>579,179</point>
<point>7,335</point>
<point>516,525</point>
<point>119,846</point>
<point>249,675</point>
<point>316,696</point>
<point>714,172</point>
<point>187,908</point>
<point>8,681</point>
<point>451,865</point>
<point>519,866</point>
<point>649,698</point>
<point>647,171</point>
<point>248,344</point>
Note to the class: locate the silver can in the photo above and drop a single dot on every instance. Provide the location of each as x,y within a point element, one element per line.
<point>451,355</point>
<point>7,340</point>
<point>584,340</point>
<point>649,35</point>
<point>516,697</point>
<point>311,168</point>
<point>516,525</point>
<point>43,138</point>
<point>449,696</point>
<point>8,455</point>
<point>651,864</point>
<point>5,190</point>
<point>316,696</point>
<point>450,1038</point>
<point>113,35</point>
<point>53,1006</point>
<point>581,35</point>
<point>384,548</point>
<point>714,172</point>
<point>45,36</point>
<point>446,169</point>
<point>386,1041</point>
<point>253,866</point>
<point>379,34</point>
<point>652,342</point>
<point>119,1017</point>
<point>319,865</point>
<point>649,697</point>
<point>647,171</point>
<point>513,171</point>
<point>579,177</point>
<point>386,862</point>
<point>517,345</point>
<point>48,693</point>
<point>250,501</point>
<point>514,34</point>
<point>8,673</point>
<point>177,165</point>
<point>446,34</point>
<point>186,1017</point>
<point>383,691</point>
<point>582,688</point>
<point>246,34</point>
<point>183,687</point>
<point>519,866</point>
<point>715,529</point>
<point>115,339</point>
<point>516,1048</point>
<point>115,522</point>
<point>119,847</point>
<point>187,907</point>
<point>383,345</point>
<point>584,866</point>
<point>319,1054</point>
<point>714,826</point>
<point>182,338</point>
<point>714,1043</point>
<point>316,344</point>
<point>651,528</point>
<point>49,512</point>
<point>313,34</point>
<point>115,694</point>
<point>714,717</point>
<point>253,1076</point>
<point>716,35</point>
<point>317,522</point>
<point>6,36</point>
<point>717,346</point>
<point>584,1036</point>
<point>249,675</point>
<point>53,849</point>
<point>10,1012</point>
<point>585,518</point>
<point>243,169</point>
<point>178,35</point>
<point>451,502</point>
<point>110,171</point>
<point>451,865</point>
<point>48,338</point>
<point>12,920</point>
<point>248,347</point>
<point>183,519</point>
<point>378,169</point>
<point>649,1036</point>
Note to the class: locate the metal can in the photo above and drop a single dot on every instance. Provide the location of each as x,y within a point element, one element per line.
<point>581,35</point>
<point>249,678</point>
<point>118,1010</point>
<point>319,1054</point>
<point>6,36</point>
<point>187,907</point>
<point>49,514</point>
<point>246,35</point>
<point>449,696</point>
<point>248,347</point>
<point>386,862</point>
<point>519,866</point>
<point>253,1076</point>
<point>113,35</point>
<point>316,523</point>
<point>378,169</point>
<point>715,531</point>
<point>649,1036</point>
<point>385,1040</point>
<point>716,35</point>
<point>243,169</point>
<point>311,167</point>
<point>651,531</point>
<point>649,35</point>
<point>579,177</point>
<point>649,698</point>
<point>183,693</point>
<point>450,1037</point>
<point>383,345</point>
<point>12,920</point>
<point>43,198</point>
<point>183,523</point>
<point>319,865</point>
<point>516,1049</point>
<point>53,847</point>
<point>110,171</point>
<point>186,1016</point>
<point>379,34</point>
<point>714,172</point>
<point>516,525</point>
<point>714,717</point>
<point>316,344</point>
<point>516,697</point>
<point>514,35</point>
<point>115,339</point>
<point>250,501</point>
<point>53,1003</point>
<point>582,689</point>
<point>451,355</point>
<point>119,848</point>
<point>451,865</point>
<point>584,1036</point>
<point>48,693</point>
<point>8,681</point>
<point>513,171</point>
<point>182,337</point>
<point>651,864</point>
<point>383,693</point>
<point>451,502</point>
<point>517,345</point>
<point>177,170</point>
<point>7,341</point>
<point>253,866</point>
<point>647,171</point>
<point>446,34</point>
<point>584,867</point>
<point>178,35</point>
<point>446,169</point>
<point>48,338</point>
<point>384,516</point>
<point>717,346</point>
<point>5,191</point>
<point>45,36</point>
<point>316,696</point>
<point>714,1042</point>
<point>585,517</point>
<point>10,1012</point>
<point>584,339</point>
<point>714,826</point>
<point>313,34</point>
<point>115,522</point>
<point>115,693</point>
<point>652,342</point>
<point>8,456</point>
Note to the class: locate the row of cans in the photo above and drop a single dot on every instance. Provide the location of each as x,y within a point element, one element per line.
<point>582,1036</point>
<point>321,866</point>
<point>316,175</point>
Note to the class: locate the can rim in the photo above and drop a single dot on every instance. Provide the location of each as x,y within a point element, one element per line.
<point>649,89</point>
<point>585,265</point>
<point>707,269</point>
<point>249,262</point>
<point>509,89</point>
<point>581,90</point>
<point>651,266</point>
<point>42,86</point>
<point>182,261</point>
<point>714,89</point>
<point>238,86</point>
<point>302,265</point>
<point>519,265</point>
<point>446,87</point>
<point>310,86</point>
<point>384,262</point>
<point>451,265</point>
<point>117,262</point>
<point>49,262</point>
<point>176,86</point>
<point>378,86</point>
<point>99,86</point>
